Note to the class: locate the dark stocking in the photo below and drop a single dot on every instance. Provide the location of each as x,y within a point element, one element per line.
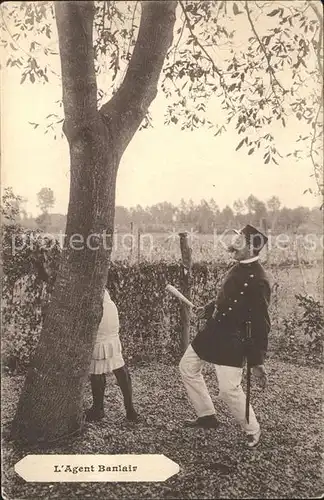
<point>124,381</point>
<point>98,385</point>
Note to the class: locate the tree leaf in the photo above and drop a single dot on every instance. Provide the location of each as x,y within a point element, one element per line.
<point>251,151</point>
<point>235,9</point>
<point>240,144</point>
<point>274,12</point>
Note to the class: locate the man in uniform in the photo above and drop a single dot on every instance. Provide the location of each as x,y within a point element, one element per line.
<point>244,297</point>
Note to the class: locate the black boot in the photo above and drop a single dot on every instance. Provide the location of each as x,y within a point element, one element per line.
<point>98,385</point>
<point>207,422</point>
<point>124,381</point>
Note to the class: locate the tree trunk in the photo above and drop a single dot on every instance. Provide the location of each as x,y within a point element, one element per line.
<point>50,406</point>
<point>185,279</point>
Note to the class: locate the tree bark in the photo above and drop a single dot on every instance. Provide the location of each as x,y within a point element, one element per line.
<point>50,406</point>
<point>185,279</point>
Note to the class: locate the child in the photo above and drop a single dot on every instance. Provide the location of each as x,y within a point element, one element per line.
<point>107,357</point>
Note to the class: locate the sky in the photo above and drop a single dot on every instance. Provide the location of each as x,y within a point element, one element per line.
<point>160,164</point>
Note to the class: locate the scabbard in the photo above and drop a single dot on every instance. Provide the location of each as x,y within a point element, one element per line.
<point>248,393</point>
<point>248,372</point>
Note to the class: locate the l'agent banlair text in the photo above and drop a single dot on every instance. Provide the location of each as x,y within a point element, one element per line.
<point>75,469</point>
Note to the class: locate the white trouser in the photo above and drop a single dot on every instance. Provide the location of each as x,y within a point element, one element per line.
<point>230,390</point>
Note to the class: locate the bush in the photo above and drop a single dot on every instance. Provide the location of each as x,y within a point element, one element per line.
<point>303,331</point>
<point>312,322</point>
<point>24,293</point>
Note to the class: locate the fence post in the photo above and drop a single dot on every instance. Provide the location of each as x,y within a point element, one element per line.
<point>138,245</point>
<point>269,245</point>
<point>132,234</point>
<point>185,283</point>
<point>265,229</point>
<point>300,266</point>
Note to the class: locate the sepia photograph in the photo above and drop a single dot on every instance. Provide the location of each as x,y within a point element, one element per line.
<point>162,198</point>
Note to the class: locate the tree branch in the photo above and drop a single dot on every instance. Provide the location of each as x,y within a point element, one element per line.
<point>132,29</point>
<point>320,37</point>
<point>14,41</point>
<point>210,59</point>
<point>75,24</point>
<point>318,15</point>
<point>316,165</point>
<point>127,108</point>
<point>177,44</point>
<point>103,16</point>
<point>208,56</point>
<point>272,74</point>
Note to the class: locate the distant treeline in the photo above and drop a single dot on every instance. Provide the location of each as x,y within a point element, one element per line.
<point>204,217</point>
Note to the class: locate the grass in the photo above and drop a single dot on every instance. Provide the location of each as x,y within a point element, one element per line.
<point>286,465</point>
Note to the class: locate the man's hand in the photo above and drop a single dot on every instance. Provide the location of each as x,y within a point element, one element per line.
<point>200,312</point>
<point>261,375</point>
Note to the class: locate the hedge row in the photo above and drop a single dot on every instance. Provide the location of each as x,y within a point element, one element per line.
<point>149,316</point>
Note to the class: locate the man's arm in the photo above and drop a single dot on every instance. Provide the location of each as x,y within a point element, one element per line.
<point>209,309</point>
<point>260,323</point>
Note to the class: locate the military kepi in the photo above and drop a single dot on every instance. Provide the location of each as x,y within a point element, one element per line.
<point>254,238</point>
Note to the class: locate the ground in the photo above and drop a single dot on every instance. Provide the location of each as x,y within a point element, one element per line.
<point>213,463</point>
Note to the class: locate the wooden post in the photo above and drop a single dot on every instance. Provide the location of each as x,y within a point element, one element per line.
<point>300,266</point>
<point>265,229</point>
<point>138,245</point>
<point>185,283</point>
<point>132,234</point>
<point>269,245</point>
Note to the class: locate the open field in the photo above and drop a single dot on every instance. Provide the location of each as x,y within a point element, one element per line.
<point>210,247</point>
<point>213,463</point>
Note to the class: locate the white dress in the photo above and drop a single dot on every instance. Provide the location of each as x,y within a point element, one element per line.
<point>107,351</point>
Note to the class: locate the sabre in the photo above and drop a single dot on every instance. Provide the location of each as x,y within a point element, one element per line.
<point>248,373</point>
<point>179,295</point>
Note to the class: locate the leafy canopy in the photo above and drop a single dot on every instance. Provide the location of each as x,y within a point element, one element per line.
<point>247,64</point>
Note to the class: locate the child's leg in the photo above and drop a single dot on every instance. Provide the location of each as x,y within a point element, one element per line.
<point>98,385</point>
<point>124,381</point>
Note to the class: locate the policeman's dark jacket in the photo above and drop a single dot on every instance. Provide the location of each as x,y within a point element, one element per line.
<point>244,296</point>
